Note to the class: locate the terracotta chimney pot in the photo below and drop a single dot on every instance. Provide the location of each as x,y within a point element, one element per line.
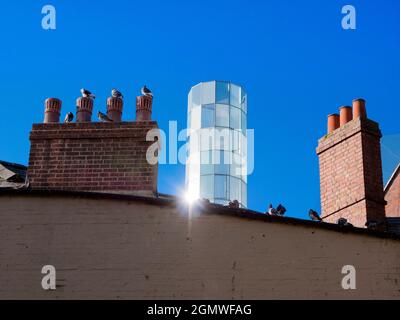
<point>359,110</point>
<point>346,115</point>
<point>84,108</point>
<point>333,122</point>
<point>52,110</point>
<point>143,108</point>
<point>114,108</point>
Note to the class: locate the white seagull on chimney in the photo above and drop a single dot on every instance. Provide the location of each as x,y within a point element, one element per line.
<point>87,94</point>
<point>146,91</point>
<point>116,94</point>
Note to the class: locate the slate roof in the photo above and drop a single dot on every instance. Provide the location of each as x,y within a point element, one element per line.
<point>12,175</point>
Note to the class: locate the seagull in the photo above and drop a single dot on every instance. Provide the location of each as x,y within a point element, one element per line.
<point>87,94</point>
<point>271,210</point>
<point>314,215</point>
<point>342,222</point>
<point>116,94</point>
<point>233,204</point>
<point>146,91</point>
<point>69,117</point>
<point>280,210</point>
<point>103,117</point>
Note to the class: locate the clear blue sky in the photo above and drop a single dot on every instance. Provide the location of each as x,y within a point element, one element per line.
<point>295,61</point>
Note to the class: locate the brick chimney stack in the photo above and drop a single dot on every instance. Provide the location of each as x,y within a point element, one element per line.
<point>52,110</point>
<point>143,108</point>
<point>350,164</point>
<point>84,109</point>
<point>114,108</point>
<point>92,156</point>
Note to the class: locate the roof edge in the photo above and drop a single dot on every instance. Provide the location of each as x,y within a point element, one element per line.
<point>17,165</point>
<point>392,178</point>
<point>214,209</point>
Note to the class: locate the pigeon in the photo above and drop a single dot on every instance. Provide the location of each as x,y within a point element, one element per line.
<point>69,117</point>
<point>233,204</point>
<point>103,117</point>
<point>314,215</point>
<point>280,210</point>
<point>116,94</point>
<point>271,210</point>
<point>342,222</point>
<point>146,91</point>
<point>87,94</point>
<point>373,224</point>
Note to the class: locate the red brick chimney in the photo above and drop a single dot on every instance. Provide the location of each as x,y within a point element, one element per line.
<point>52,110</point>
<point>92,156</point>
<point>351,169</point>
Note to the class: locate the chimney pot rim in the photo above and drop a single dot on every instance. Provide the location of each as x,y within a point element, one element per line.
<point>53,98</point>
<point>359,99</point>
<point>345,107</point>
<point>85,98</point>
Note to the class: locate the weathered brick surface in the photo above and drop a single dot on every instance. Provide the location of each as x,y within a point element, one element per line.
<point>92,157</point>
<point>351,173</point>
<point>392,196</point>
<point>104,248</point>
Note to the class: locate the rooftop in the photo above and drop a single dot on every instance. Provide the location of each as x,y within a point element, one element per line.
<point>12,174</point>
<point>203,206</point>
